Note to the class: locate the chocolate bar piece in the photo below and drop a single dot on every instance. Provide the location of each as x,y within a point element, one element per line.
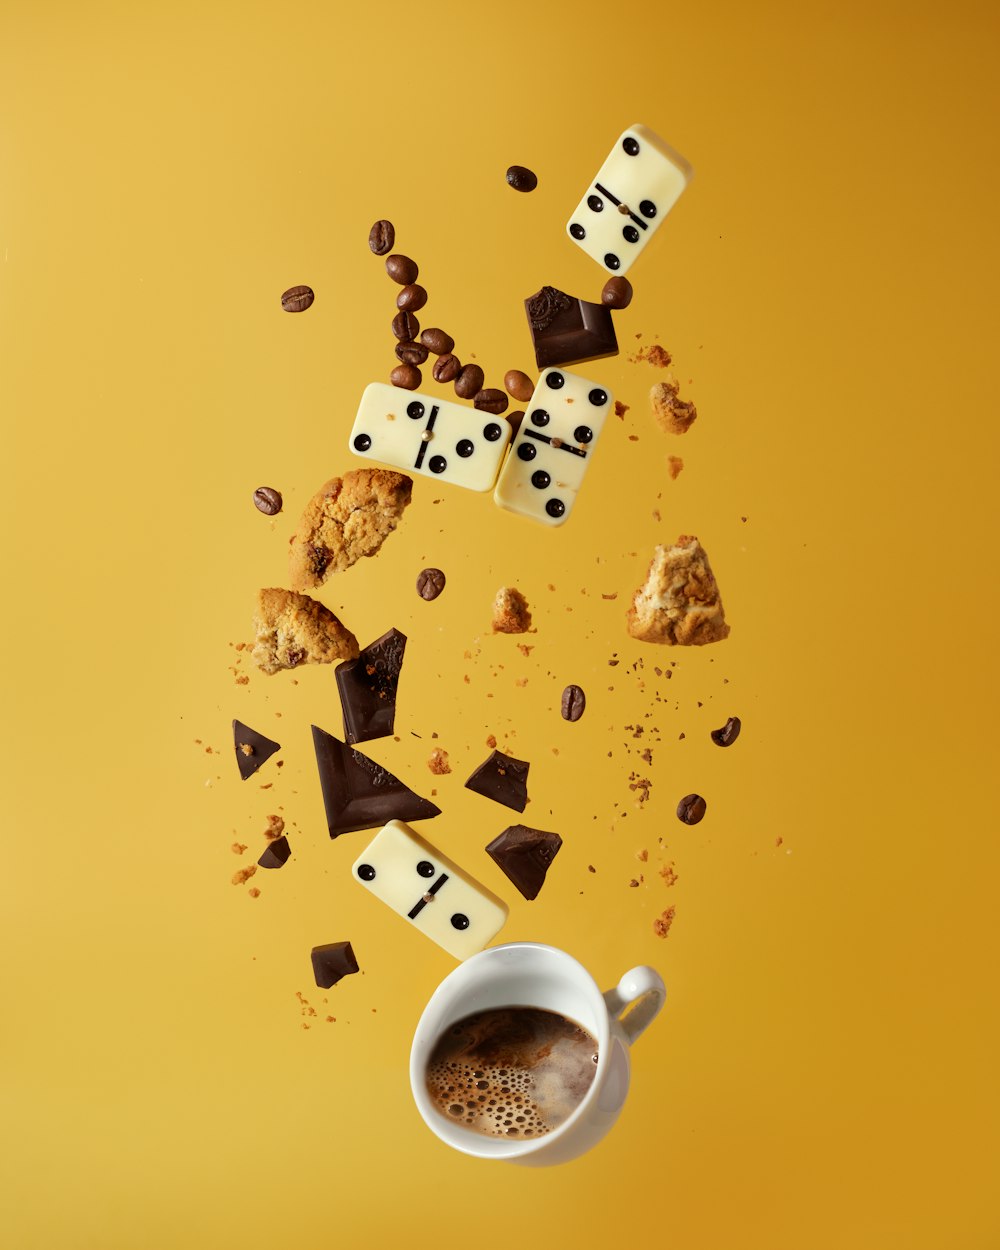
<point>368,688</point>
<point>503,778</point>
<point>331,962</point>
<point>566,330</point>
<point>252,748</point>
<point>525,854</point>
<point>275,854</point>
<point>360,794</point>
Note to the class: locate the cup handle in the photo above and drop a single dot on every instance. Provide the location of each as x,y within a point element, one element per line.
<point>636,1000</point>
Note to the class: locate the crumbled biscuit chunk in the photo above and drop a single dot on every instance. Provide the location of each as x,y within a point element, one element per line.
<point>674,466</point>
<point>438,762</point>
<point>349,517</point>
<point>679,603</point>
<point>661,925</point>
<point>673,414</point>
<point>293,629</point>
<point>510,612</point>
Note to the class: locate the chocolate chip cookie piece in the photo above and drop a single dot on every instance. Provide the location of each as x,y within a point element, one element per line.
<point>349,517</point>
<point>510,612</point>
<point>679,603</point>
<point>292,629</point>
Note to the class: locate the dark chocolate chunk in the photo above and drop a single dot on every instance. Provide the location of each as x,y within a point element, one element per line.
<point>332,962</point>
<point>502,778</point>
<point>691,809</point>
<point>729,732</point>
<point>574,700</point>
<point>566,330</point>
<point>297,298</point>
<point>521,178</point>
<point>252,748</point>
<point>360,794</point>
<point>267,500</point>
<point>275,853</point>
<point>367,688</point>
<point>525,854</point>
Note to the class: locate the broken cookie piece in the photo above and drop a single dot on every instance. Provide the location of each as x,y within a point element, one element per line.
<point>510,612</point>
<point>349,517</point>
<point>673,414</point>
<point>679,603</point>
<point>292,629</point>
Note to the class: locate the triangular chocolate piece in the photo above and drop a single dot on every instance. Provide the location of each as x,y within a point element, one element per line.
<point>566,330</point>
<point>252,748</point>
<point>275,854</point>
<point>503,778</point>
<point>368,688</point>
<point>525,854</point>
<point>331,962</point>
<point>360,794</point>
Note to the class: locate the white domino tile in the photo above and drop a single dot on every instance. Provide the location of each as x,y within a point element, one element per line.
<point>553,447</point>
<point>626,203</point>
<point>429,890</point>
<point>421,434</point>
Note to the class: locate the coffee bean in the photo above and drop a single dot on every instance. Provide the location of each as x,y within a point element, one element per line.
<point>447,368</point>
<point>430,583</point>
<point>691,809</point>
<point>405,327</point>
<point>297,298</point>
<point>490,400</point>
<point>267,500</point>
<point>573,703</point>
<point>469,382</point>
<point>406,376</point>
<point>521,179</point>
<point>411,298</point>
<point>411,353</point>
<point>617,293</point>
<point>519,385</point>
<point>401,269</point>
<point>381,237</point>
<point>729,732</point>
<point>437,341</point>
<point>514,420</point>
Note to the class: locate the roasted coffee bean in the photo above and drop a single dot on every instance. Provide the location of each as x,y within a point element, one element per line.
<point>381,237</point>
<point>430,583</point>
<point>405,327</point>
<point>469,382</point>
<point>411,298</point>
<point>514,420</point>
<point>437,341</point>
<point>267,500</point>
<point>401,269</point>
<point>297,298</point>
<point>490,400</point>
<point>691,809</point>
<point>573,703</point>
<point>729,732</point>
<point>519,385</point>
<point>406,376</point>
<point>447,368</point>
<point>617,293</point>
<point>411,353</point>
<point>521,179</point>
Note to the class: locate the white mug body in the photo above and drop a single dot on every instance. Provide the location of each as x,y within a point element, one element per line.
<point>529,974</point>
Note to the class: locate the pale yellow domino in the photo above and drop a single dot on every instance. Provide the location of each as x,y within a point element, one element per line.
<point>429,890</point>
<point>423,434</point>
<point>635,188</point>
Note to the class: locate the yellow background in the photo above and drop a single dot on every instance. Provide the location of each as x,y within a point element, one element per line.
<point>824,1074</point>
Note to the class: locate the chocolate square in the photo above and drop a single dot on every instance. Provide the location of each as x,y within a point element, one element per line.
<point>360,794</point>
<point>368,688</point>
<point>332,962</point>
<point>525,854</point>
<point>566,330</point>
<point>503,779</point>
<point>252,748</point>
<point>275,854</point>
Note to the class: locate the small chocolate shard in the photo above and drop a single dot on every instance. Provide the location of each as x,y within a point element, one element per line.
<point>566,330</point>
<point>332,962</point>
<point>525,854</point>
<point>260,748</point>
<point>503,779</point>
<point>368,685</point>
<point>360,794</point>
<point>275,854</point>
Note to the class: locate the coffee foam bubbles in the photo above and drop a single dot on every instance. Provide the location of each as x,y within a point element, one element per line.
<point>511,1072</point>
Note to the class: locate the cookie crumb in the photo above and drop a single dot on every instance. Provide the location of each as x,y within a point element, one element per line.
<point>510,612</point>
<point>673,414</point>
<point>674,466</point>
<point>661,925</point>
<point>244,874</point>
<point>238,848</point>
<point>438,762</point>
<point>275,828</point>
<point>620,409</point>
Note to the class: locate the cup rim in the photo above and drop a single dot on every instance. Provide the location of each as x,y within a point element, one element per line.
<point>479,1145</point>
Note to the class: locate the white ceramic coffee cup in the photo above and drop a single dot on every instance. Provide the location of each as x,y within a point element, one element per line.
<point>528,974</point>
